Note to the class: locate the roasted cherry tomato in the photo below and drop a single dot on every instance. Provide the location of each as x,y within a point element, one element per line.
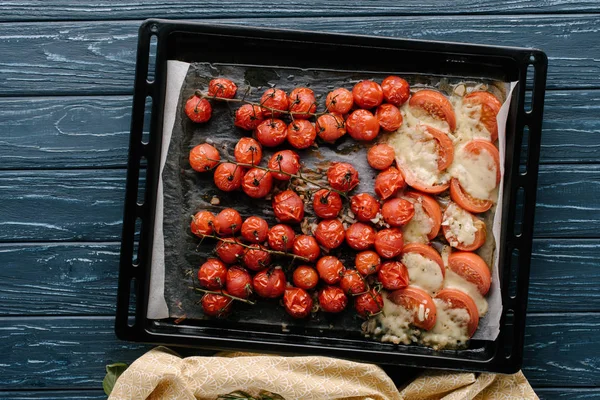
<point>248,117</point>
<point>490,107</point>
<point>436,105</point>
<point>297,302</point>
<point>281,238</point>
<point>431,208</point>
<point>257,183</point>
<point>305,277</point>
<point>274,101</point>
<point>389,117</point>
<point>332,299</point>
<point>457,299</point>
<point>362,125</point>
<point>368,304</point>
<point>204,157</point>
<point>255,229</point>
<point>216,305</point>
<point>212,274</point>
<point>352,283</point>
<point>238,282</point>
<point>221,87</point>
<point>302,103</point>
<point>270,283</point>
<point>256,258</point>
<point>248,151</point>
<point>203,223</point>
<point>419,303</point>
<point>367,94</point>
<point>271,132</point>
<point>381,156</point>
<point>339,101</point>
<point>229,250</point>
<point>301,134</point>
<point>327,204</point>
<point>395,90</point>
<point>286,161</point>
<point>388,183</point>
<point>330,233</point>
<point>342,176</point>
<point>360,236</point>
<point>364,206</point>
<point>452,226</point>
<point>330,127</point>
<point>228,177</point>
<point>330,269</point>
<point>472,268</point>
<point>367,262</point>
<point>389,242</point>
<point>288,207</point>
<point>198,109</point>
<point>307,247</point>
<point>228,222</point>
<point>465,200</point>
<point>393,275</point>
<point>427,252</point>
<point>397,212</point>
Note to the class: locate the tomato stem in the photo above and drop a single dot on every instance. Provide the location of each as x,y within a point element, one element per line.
<point>222,293</point>
<point>253,247</point>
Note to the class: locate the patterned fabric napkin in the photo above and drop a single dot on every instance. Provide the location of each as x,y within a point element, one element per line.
<point>161,374</point>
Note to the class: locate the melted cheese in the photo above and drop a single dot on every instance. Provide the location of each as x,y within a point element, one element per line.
<point>461,224</point>
<point>393,325</point>
<point>419,226</point>
<point>423,272</point>
<point>468,124</point>
<point>455,281</point>
<point>412,117</point>
<point>476,174</point>
<point>450,330</point>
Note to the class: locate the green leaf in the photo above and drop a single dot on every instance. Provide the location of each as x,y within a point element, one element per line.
<point>113,371</point>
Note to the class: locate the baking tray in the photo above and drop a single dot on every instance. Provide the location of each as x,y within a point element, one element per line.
<point>194,42</point>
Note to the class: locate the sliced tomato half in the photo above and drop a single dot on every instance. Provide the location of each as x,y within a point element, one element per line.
<point>476,146</point>
<point>432,209</point>
<point>457,299</point>
<point>427,252</point>
<point>472,268</point>
<point>436,105</point>
<point>444,145</point>
<point>490,107</point>
<point>419,303</point>
<point>466,201</point>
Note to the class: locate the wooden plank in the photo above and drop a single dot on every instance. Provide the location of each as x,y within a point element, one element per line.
<point>85,394</point>
<point>99,57</point>
<point>29,10</point>
<point>568,393</point>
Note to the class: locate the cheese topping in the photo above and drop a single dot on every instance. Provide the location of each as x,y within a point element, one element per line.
<point>455,281</point>
<point>419,226</point>
<point>413,116</point>
<point>476,174</point>
<point>450,330</point>
<point>393,324</point>
<point>423,272</point>
<point>461,224</point>
<point>468,124</point>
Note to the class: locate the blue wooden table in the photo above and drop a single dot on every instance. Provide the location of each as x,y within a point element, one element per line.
<point>66,74</point>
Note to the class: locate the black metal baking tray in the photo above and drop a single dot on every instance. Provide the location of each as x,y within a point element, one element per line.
<point>193,42</point>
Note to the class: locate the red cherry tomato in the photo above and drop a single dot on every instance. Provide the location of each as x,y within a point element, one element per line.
<point>281,238</point>
<point>228,222</point>
<point>397,212</point>
<point>301,134</point>
<point>255,229</point>
<point>274,101</point>
<point>204,157</point>
<point>327,204</point>
<point>228,177</point>
<point>203,223</point>
<point>332,299</point>
<point>198,109</point>
<point>330,233</point>
<point>364,206</point>
<point>248,117</point>
<point>389,243</point>
<point>367,94</point>
<point>302,103</point>
<point>288,207</point>
<point>229,250</point>
<point>368,304</point>
<point>381,156</point>
<point>270,283</point>
<point>307,247</point>
<point>367,262</point>
<point>330,269</point>
<point>238,282</point>
<point>457,299</point>
<point>395,90</point>
<point>352,282</point>
<point>339,101</point>
<point>390,118</point>
<point>330,127</point>
<point>305,277</point>
<point>248,151</point>
<point>360,236</point>
<point>419,303</point>
<point>212,274</point>
<point>436,105</point>
<point>286,161</point>
<point>256,258</point>
<point>388,183</point>
<point>297,302</point>
<point>393,275</point>
<point>271,132</point>
<point>257,183</point>
<point>216,305</point>
<point>362,125</point>
<point>342,176</point>
<point>221,87</point>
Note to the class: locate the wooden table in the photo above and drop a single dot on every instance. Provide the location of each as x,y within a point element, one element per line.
<point>66,74</point>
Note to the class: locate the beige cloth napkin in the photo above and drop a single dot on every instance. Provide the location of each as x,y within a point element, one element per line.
<point>161,374</point>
